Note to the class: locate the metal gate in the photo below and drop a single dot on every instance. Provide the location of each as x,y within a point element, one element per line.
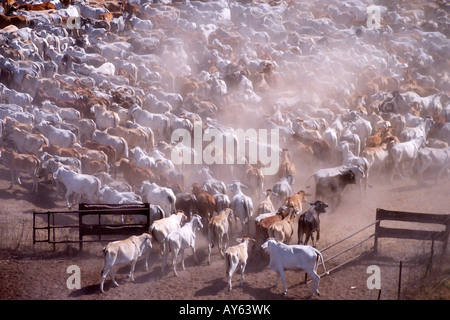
<point>91,223</point>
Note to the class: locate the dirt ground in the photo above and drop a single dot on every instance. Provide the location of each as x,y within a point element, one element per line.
<point>30,271</point>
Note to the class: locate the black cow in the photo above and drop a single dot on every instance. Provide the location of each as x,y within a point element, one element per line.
<point>309,222</point>
<point>329,188</point>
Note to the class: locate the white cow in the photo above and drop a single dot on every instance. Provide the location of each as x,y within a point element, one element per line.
<point>432,157</point>
<point>161,228</point>
<point>404,152</point>
<point>124,252</point>
<point>158,122</point>
<point>27,142</point>
<point>118,143</point>
<point>112,196</point>
<point>59,137</point>
<point>292,257</point>
<point>180,239</point>
<point>241,204</point>
<point>78,184</point>
<point>105,118</point>
<point>162,196</point>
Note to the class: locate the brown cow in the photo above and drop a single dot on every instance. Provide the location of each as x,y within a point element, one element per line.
<point>18,21</point>
<point>206,203</point>
<point>263,225</point>
<point>297,200</point>
<point>133,174</point>
<point>18,162</point>
<point>286,168</point>
<point>283,230</point>
<point>61,152</point>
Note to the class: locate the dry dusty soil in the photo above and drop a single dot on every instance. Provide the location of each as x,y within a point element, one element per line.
<point>30,271</point>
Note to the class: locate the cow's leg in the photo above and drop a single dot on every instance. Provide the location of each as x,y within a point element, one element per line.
<point>165,256</point>
<point>317,237</point>
<point>112,277</point>
<point>68,194</point>
<point>194,253</point>
<point>300,236</point>
<point>220,245</point>
<point>105,272</point>
<point>209,253</point>
<point>174,260</point>
<point>313,240</point>
<point>307,236</point>
<point>224,243</point>
<point>242,272</point>
<point>35,184</point>
<point>315,278</point>
<point>13,179</point>
<point>230,275</point>
<point>283,279</point>
<point>147,255</point>
<point>133,265</point>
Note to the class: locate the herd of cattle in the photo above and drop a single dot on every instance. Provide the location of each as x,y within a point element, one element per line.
<point>91,92</point>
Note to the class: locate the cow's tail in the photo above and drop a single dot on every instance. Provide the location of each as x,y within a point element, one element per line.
<point>125,147</point>
<point>248,210</point>
<point>152,232</point>
<point>319,256</point>
<point>105,251</point>
<point>172,202</point>
<point>227,263</point>
<point>306,182</point>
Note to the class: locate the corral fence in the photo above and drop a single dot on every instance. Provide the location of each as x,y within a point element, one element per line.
<point>390,232</point>
<point>91,223</point>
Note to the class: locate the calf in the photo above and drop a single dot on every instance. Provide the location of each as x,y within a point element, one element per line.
<point>218,228</point>
<point>124,252</point>
<point>18,162</point>
<point>237,256</point>
<point>309,222</point>
<point>180,239</point>
<point>292,257</point>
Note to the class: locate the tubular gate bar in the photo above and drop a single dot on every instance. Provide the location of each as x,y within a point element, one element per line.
<point>98,229</point>
<point>402,233</point>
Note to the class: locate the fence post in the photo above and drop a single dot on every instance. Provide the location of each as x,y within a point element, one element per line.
<point>377,227</point>
<point>399,280</point>
<point>80,233</point>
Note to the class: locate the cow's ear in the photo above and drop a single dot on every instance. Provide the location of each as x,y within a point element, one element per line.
<point>311,203</point>
<point>239,240</point>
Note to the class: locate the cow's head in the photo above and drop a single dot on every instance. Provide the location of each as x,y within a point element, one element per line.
<point>349,177</point>
<point>319,206</point>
